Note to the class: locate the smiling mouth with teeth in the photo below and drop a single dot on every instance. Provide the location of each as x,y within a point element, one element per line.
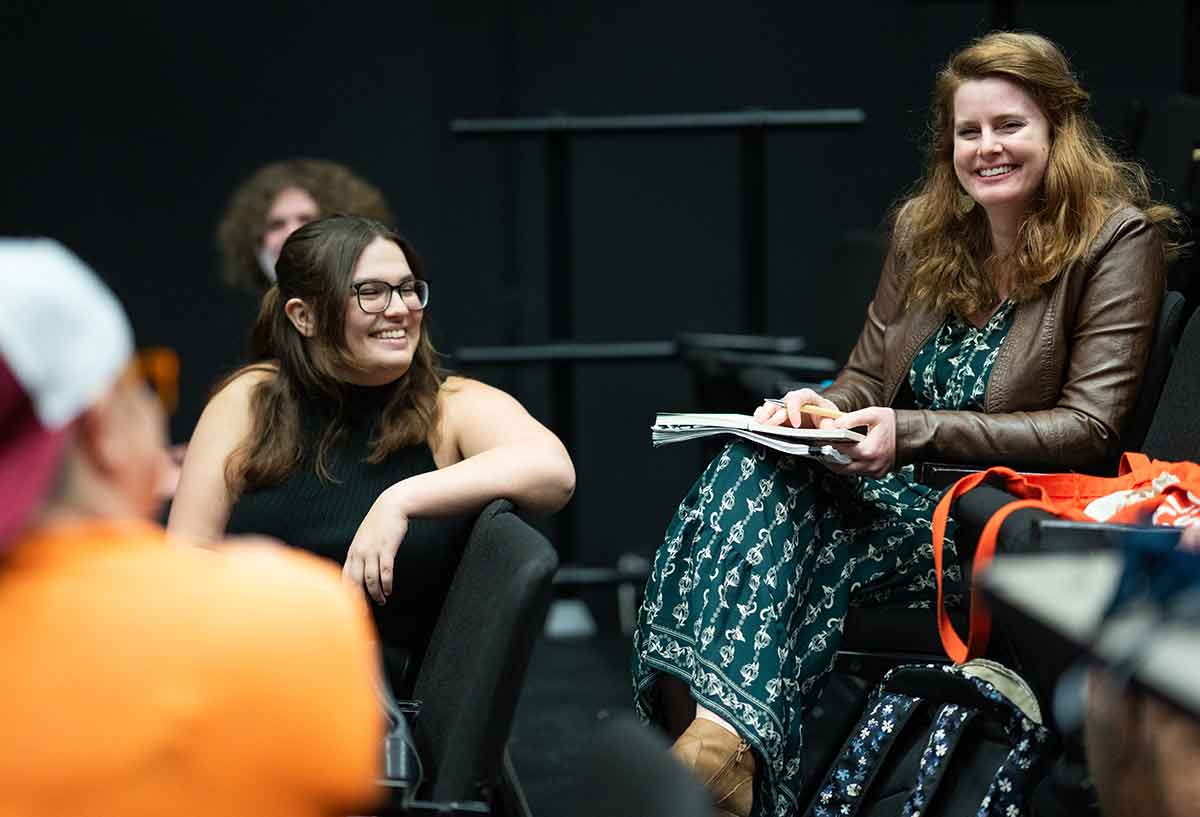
<point>392,334</point>
<point>1002,170</point>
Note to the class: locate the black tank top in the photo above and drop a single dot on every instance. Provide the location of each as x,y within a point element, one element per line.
<point>322,518</point>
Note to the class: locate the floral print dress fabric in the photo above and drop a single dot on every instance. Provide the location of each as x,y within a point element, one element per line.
<point>766,553</point>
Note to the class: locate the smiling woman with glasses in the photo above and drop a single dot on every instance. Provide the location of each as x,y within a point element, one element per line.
<point>344,438</point>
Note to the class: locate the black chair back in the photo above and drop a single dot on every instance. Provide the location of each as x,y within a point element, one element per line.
<point>1174,433</point>
<point>475,666</point>
<point>1162,353</point>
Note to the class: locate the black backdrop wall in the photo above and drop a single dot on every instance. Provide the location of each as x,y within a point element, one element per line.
<point>126,126</point>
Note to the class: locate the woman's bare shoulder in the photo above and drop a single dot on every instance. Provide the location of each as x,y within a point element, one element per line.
<point>464,403</point>
<point>459,390</point>
<point>241,384</point>
<point>229,406</point>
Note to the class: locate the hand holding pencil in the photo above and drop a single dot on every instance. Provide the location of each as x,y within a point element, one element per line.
<point>873,457</point>
<point>803,408</point>
<point>808,408</point>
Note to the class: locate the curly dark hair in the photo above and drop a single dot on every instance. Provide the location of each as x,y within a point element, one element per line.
<point>334,187</point>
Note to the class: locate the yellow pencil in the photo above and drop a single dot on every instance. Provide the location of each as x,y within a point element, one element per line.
<point>820,411</point>
<point>810,408</point>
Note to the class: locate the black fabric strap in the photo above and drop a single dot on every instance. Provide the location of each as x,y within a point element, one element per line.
<point>847,781</point>
<point>949,725</point>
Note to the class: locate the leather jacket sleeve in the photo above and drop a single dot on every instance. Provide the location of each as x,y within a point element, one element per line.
<point>1108,342</point>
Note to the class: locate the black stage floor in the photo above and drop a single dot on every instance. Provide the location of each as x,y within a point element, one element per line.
<point>572,687</point>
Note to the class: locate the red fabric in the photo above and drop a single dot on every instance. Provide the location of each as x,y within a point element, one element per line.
<point>29,455</point>
<point>1065,495</point>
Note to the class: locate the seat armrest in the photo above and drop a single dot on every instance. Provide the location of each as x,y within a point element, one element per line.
<point>405,805</point>
<point>1066,534</point>
<point>401,763</point>
<point>409,706</point>
<point>444,808</point>
<point>945,474</point>
<point>942,474</point>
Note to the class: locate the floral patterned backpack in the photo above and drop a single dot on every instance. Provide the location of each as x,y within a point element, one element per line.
<point>940,740</point>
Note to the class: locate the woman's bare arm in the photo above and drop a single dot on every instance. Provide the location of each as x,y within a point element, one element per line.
<point>489,447</point>
<point>202,502</point>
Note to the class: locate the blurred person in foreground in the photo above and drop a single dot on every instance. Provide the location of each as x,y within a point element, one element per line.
<point>1143,753</point>
<point>277,199</point>
<point>143,678</point>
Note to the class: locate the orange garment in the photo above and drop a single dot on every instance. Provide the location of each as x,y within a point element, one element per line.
<point>141,677</point>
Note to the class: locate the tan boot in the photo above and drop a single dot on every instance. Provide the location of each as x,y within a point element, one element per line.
<point>723,762</point>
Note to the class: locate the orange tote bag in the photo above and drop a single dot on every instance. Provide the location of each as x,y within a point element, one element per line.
<point>1170,499</point>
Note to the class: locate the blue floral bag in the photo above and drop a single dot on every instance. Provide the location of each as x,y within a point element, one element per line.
<point>940,740</point>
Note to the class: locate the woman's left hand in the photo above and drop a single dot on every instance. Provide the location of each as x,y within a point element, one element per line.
<point>876,455</point>
<point>371,560</point>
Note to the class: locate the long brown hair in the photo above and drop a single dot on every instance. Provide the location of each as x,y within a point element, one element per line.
<point>334,187</point>
<point>317,265</point>
<point>946,233</point>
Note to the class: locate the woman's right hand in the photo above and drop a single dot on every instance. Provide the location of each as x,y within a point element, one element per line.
<point>776,415</point>
<point>371,559</point>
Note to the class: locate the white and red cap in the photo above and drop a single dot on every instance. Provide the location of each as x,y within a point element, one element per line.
<point>64,342</point>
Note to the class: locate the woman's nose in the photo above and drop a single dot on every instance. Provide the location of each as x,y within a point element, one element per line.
<point>396,305</point>
<point>988,143</point>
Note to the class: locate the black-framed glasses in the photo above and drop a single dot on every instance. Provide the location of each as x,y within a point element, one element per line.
<point>376,296</point>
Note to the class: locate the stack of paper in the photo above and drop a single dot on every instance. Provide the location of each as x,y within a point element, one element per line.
<point>802,442</point>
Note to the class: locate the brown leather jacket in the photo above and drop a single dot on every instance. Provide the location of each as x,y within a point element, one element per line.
<point>1067,375</point>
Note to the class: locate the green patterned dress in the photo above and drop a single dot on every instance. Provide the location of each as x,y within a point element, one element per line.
<point>748,592</point>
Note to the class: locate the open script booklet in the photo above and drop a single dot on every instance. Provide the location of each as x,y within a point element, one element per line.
<point>801,442</point>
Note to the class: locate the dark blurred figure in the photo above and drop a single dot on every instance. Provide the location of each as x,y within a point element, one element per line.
<point>1143,753</point>
<point>628,770</point>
